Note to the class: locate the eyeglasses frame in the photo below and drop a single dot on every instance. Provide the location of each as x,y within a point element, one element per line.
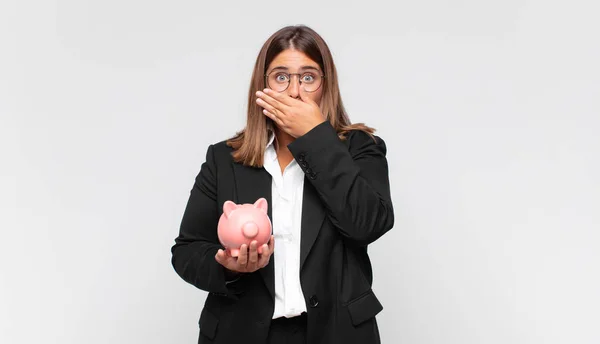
<point>291,74</point>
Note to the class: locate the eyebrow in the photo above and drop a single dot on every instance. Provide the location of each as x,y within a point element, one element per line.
<point>303,67</point>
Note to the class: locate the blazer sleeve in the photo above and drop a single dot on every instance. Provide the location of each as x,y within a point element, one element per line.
<point>193,254</point>
<point>352,180</point>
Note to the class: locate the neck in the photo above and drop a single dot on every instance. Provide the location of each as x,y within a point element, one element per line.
<point>282,139</point>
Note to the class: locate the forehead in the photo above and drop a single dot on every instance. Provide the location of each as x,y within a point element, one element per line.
<point>292,60</point>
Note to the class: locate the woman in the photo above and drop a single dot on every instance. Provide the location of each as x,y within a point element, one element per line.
<point>327,187</point>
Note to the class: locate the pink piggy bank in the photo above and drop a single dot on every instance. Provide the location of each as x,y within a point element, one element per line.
<point>242,223</point>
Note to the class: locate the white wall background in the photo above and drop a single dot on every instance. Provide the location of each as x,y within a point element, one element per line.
<point>490,110</point>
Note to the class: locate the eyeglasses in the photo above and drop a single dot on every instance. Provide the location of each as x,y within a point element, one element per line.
<point>279,81</point>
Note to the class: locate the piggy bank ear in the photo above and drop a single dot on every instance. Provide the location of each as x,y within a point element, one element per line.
<point>261,204</point>
<point>228,207</point>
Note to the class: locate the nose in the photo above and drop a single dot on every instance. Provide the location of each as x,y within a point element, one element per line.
<point>250,230</point>
<point>294,87</point>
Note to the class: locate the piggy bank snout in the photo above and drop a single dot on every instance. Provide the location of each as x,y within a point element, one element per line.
<point>250,230</point>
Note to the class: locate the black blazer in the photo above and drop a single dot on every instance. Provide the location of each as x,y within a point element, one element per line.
<point>346,206</point>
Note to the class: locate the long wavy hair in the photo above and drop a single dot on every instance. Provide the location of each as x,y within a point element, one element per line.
<point>249,143</point>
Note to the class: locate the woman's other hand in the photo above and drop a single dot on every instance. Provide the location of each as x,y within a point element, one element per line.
<point>249,260</point>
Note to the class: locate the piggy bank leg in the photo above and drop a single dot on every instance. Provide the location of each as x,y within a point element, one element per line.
<point>234,252</point>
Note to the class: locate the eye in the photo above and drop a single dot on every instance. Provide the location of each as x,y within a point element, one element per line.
<point>308,77</point>
<point>281,77</point>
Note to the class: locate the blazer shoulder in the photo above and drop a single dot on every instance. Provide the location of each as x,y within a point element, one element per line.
<point>359,140</point>
<point>221,148</point>
<point>217,153</point>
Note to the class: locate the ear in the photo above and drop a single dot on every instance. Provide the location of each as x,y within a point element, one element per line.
<point>261,204</point>
<point>228,207</point>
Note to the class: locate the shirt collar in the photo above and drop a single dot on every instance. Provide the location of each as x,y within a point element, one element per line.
<point>270,152</point>
<point>271,138</point>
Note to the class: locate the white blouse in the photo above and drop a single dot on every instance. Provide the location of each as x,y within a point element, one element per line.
<point>286,211</point>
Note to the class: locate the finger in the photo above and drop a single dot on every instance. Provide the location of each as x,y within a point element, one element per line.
<point>253,255</point>
<point>269,100</point>
<point>224,259</point>
<point>269,107</point>
<point>267,252</point>
<point>305,97</point>
<point>220,257</point>
<point>273,117</point>
<point>276,115</point>
<point>280,97</point>
<point>264,256</point>
<point>242,259</point>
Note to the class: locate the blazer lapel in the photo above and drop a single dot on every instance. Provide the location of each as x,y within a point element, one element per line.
<point>313,214</point>
<point>251,184</point>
